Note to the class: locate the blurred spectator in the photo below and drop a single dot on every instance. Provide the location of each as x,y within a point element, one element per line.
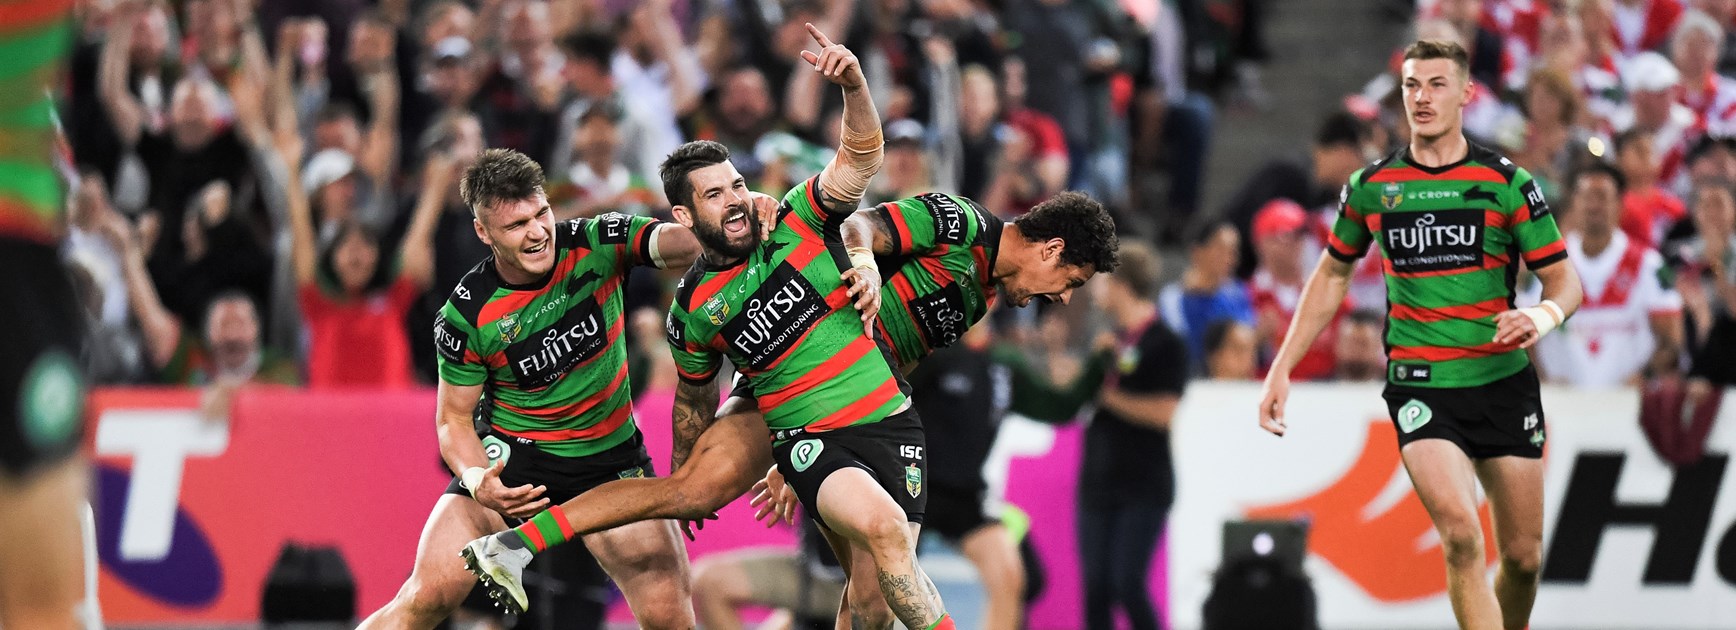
<point>1361,349</point>
<point>1341,145</point>
<point>1172,125</point>
<point>1631,322</point>
<point>906,171</point>
<point>520,93</point>
<point>1703,259</point>
<point>595,181</point>
<point>1571,46</point>
<point>1484,44</point>
<point>1724,13</point>
<point>1647,207</point>
<point>1127,483</point>
<point>739,114</point>
<point>447,84</point>
<point>1554,142</point>
<point>353,303</point>
<point>218,37</point>
<point>1232,351</point>
<point>802,584</point>
<point>1643,25</point>
<point>1711,96</point>
<point>1651,81</point>
<point>1063,43</point>
<point>1032,163</point>
<point>140,35</point>
<point>111,350</point>
<point>1208,290</point>
<point>641,144</point>
<point>1712,158</point>
<point>1276,288</point>
<point>1518,25</point>
<point>655,69</point>
<point>228,350</point>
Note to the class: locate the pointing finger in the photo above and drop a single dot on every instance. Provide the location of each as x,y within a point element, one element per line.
<point>818,36</point>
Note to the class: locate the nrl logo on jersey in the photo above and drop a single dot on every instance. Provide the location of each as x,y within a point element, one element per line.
<point>1391,194</point>
<point>509,328</point>
<point>716,310</point>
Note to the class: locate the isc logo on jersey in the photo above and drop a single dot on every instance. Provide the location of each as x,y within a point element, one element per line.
<point>541,359</point>
<point>949,220</point>
<point>774,317</point>
<point>1441,240</point>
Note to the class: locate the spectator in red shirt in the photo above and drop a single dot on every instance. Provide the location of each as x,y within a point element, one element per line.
<point>355,326</point>
<point>1033,164</point>
<point>1647,208</point>
<point>1277,286</point>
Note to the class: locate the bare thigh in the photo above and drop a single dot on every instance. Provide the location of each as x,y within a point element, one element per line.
<point>649,562</point>
<point>41,571</point>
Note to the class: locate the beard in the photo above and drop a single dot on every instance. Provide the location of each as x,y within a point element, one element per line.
<point>711,236</point>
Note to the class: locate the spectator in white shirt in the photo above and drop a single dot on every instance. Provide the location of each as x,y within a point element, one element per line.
<point>1631,322</point>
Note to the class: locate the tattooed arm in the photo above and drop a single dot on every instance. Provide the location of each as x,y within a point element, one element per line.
<point>695,408</point>
<point>868,230</point>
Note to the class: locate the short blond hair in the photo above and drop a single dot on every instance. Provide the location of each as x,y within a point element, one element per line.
<point>1440,49</point>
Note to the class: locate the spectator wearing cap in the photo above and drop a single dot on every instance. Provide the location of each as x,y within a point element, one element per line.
<point>1279,232</point>
<point>642,144</point>
<point>1643,25</point>
<point>1631,322</point>
<point>1710,95</point>
<point>1647,207</point>
<point>1652,108</point>
<point>907,170</point>
<point>1208,290</point>
<point>1341,145</point>
<point>448,82</point>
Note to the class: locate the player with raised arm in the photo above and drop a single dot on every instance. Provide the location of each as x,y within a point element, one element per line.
<point>950,261</point>
<point>537,328</point>
<point>1453,221</point>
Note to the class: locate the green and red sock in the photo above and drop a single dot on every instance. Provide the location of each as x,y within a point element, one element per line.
<point>545,530</point>
<point>943,623</point>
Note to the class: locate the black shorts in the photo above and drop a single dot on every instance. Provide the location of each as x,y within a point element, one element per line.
<point>42,385</point>
<point>955,513</point>
<point>1497,419</point>
<point>891,450</point>
<point>564,477</point>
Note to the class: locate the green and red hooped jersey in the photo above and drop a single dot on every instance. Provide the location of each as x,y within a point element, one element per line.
<point>784,318</point>
<point>942,281</point>
<point>36,37</point>
<point>1451,239</point>
<point>551,352</point>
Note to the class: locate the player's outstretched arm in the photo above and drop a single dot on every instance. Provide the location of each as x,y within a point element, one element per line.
<point>463,453</point>
<point>860,144</point>
<point>695,409</point>
<point>1561,297</point>
<point>1321,298</point>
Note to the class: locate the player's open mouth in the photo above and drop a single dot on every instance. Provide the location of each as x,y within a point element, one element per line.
<point>1423,116</point>
<point>735,223</point>
<point>536,249</point>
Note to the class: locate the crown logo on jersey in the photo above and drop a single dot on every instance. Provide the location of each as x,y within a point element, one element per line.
<point>509,328</point>
<point>716,310</point>
<point>1391,194</point>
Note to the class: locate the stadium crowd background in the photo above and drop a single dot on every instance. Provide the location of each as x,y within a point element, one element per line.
<point>186,122</point>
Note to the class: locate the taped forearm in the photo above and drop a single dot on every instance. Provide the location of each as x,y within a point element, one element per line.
<point>861,149</point>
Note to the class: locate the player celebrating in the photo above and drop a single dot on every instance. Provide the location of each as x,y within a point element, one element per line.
<point>951,260</point>
<point>538,324</point>
<point>1453,220</point>
<point>42,479</point>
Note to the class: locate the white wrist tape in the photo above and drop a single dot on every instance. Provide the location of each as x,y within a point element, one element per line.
<point>472,478</point>
<point>862,257</point>
<point>1546,316</point>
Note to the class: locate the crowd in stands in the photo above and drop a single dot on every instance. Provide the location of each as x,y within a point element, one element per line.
<point>266,191</point>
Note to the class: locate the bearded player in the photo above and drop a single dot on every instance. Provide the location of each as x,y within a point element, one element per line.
<point>537,328</point>
<point>1454,221</point>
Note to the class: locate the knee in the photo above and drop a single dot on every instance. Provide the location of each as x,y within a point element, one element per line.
<point>422,600</point>
<point>887,533</point>
<point>1462,542</point>
<point>868,607</point>
<point>665,618</point>
<point>1522,558</point>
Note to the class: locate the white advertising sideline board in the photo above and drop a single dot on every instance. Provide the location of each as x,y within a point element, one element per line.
<point>1629,541</point>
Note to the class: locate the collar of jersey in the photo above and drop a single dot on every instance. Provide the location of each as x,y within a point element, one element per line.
<point>1470,149</point>
<point>705,261</point>
<point>534,285</point>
